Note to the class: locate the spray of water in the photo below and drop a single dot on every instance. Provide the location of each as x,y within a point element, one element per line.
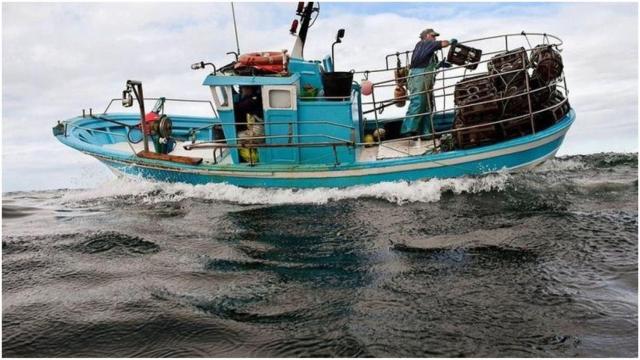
<point>559,165</point>
<point>395,192</point>
<point>400,192</point>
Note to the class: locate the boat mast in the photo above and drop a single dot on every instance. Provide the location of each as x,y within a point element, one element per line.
<point>235,27</point>
<point>298,47</point>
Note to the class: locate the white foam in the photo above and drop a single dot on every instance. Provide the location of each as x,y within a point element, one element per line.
<point>560,165</point>
<point>396,192</point>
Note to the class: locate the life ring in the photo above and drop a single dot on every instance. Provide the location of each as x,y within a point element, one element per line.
<point>262,58</point>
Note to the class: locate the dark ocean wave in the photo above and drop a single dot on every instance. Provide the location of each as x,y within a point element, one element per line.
<point>532,264</point>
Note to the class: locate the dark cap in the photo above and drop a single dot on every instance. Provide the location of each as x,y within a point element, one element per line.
<point>428,31</point>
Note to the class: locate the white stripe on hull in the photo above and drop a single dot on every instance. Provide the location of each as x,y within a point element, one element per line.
<point>532,164</point>
<point>368,171</point>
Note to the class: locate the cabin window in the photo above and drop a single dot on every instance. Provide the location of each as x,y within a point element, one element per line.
<point>222,97</point>
<point>279,97</point>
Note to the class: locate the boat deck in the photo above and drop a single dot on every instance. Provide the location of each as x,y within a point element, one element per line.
<point>386,150</point>
<point>205,154</point>
<point>396,149</point>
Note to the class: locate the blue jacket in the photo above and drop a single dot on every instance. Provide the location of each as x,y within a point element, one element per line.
<point>423,52</point>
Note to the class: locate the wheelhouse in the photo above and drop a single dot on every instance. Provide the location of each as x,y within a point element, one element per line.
<point>298,129</point>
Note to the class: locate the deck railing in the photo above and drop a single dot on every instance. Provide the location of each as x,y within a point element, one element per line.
<point>213,109</point>
<point>128,127</point>
<point>545,40</point>
<point>446,76</point>
<point>257,142</point>
<point>254,142</point>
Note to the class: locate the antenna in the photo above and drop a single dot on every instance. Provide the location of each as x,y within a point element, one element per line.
<point>235,27</point>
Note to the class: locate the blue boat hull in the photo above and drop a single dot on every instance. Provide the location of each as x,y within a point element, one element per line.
<point>509,155</point>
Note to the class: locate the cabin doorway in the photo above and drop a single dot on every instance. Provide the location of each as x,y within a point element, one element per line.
<point>249,119</point>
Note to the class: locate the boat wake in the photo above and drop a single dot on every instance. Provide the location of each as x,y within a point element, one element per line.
<point>559,174</point>
<point>140,190</point>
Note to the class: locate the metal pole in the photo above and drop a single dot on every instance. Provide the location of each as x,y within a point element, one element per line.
<point>375,113</point>
<point>144,127</point>
<point>433,128</point>
<point>444,92</point>
<point>526,80</point>
<point>526,38</point>
<point>235,27</point>
<point>136,86</point>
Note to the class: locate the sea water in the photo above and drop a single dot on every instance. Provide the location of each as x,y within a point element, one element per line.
<point>537,263</point>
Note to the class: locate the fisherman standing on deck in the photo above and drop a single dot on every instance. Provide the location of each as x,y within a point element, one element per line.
<point>420,83</point>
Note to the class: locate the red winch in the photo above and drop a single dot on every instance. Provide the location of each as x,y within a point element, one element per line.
<point>156,123</point>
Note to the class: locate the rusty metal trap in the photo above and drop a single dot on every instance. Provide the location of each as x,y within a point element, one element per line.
<point>464,55</point>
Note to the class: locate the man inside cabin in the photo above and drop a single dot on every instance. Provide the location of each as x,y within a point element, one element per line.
<point>420,83</point>
<point>249,114</point>
<point>249,101</point>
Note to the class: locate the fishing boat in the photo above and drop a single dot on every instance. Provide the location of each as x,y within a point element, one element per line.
<point>497,105</point>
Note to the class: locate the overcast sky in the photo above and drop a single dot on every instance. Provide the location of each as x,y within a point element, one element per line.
<point>60,58</point>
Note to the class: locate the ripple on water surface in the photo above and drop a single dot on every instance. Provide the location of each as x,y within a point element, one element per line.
<point>540,263</point>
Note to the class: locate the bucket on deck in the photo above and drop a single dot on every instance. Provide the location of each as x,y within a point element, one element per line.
<point>337,83</point>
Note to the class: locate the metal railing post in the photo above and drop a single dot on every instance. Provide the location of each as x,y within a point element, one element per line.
<point>444,92</point>
<point>526,81</point>
<point>432,105</point>
<point>375,113</point>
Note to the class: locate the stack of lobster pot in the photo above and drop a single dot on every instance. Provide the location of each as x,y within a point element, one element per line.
<point>478,103</point>
<point>510,71</point>
<point>506,84</point>
<point>541,91</point>
<point>547,68</point>
<point>509,68</point>
<point>557,106</point>
<point>546,63</point>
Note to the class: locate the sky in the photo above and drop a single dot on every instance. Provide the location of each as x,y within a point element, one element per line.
<point>60,58</point>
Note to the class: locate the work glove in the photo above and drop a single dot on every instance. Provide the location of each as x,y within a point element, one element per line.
<point>443,64</point>
<point>453,41</point>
